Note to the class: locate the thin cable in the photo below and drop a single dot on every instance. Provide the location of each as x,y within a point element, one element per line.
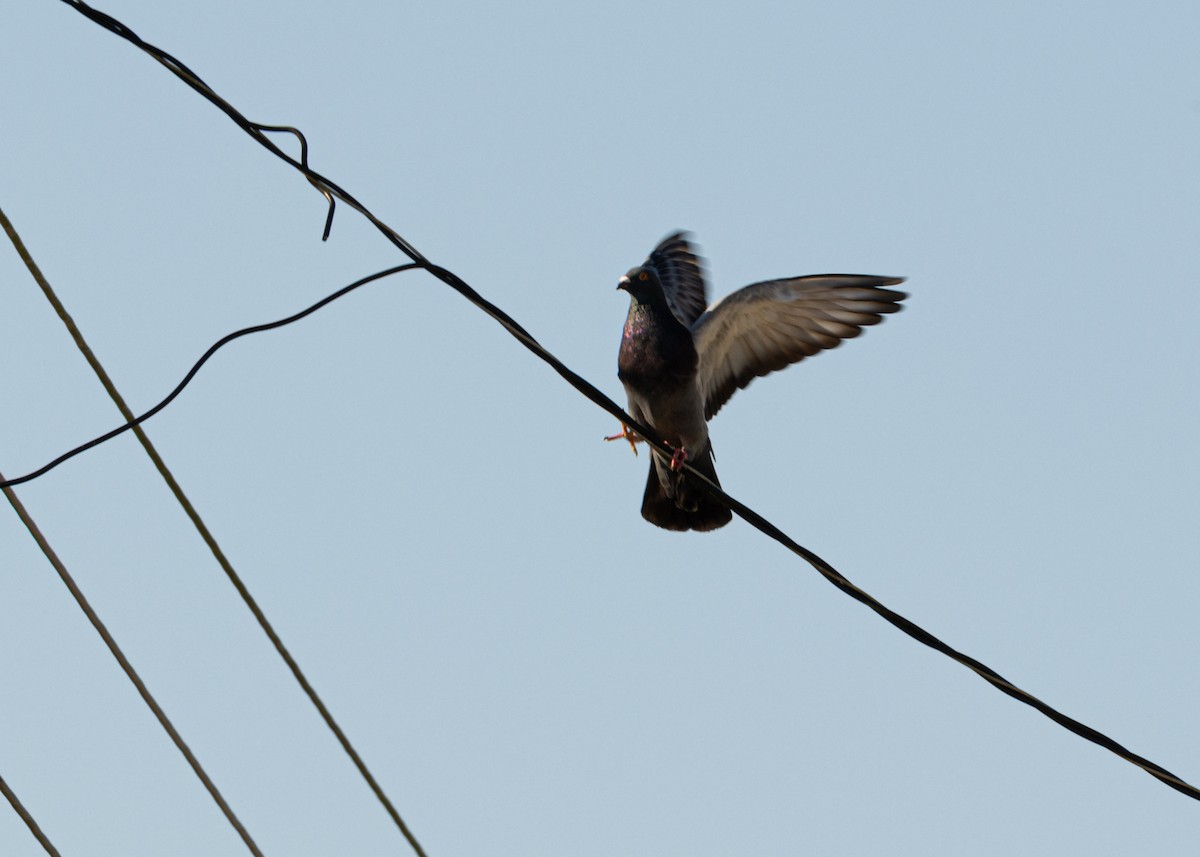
<point>133,423</point>
<point>254,129</point>
<point>187,379</point>
<point>922,636</point>
<point>28,819</point>
<point>592,393</point>
<point>142,690</point>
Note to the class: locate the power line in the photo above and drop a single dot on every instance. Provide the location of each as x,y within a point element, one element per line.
<point>134,423</point>
<point>333,191</point>
<point>142,690</point>
<point>28,819</point>
<point>922,636</point>
<point>187,379</point>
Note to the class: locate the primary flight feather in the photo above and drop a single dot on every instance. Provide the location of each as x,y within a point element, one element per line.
<point>680,360</point>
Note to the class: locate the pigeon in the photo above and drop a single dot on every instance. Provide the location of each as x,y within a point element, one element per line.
<point>681,360</point>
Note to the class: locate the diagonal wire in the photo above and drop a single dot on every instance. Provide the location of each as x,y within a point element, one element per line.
<point>28,819</point>
<point>134,423</point>
<point>331,190</point>
<point>922,636</point>
<point>142,690</point>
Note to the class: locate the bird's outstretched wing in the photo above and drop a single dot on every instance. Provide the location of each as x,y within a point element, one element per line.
<point>767,326</point>
<point>681,273</point>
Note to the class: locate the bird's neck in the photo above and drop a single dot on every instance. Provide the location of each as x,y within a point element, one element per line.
<point>651,314</point>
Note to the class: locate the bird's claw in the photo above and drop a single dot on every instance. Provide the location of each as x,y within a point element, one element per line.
<point>678,458</point>
<point>626,434</point>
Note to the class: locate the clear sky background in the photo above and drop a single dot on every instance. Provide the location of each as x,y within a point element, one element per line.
<point>427,512</point>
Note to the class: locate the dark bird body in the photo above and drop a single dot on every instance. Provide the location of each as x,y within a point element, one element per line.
<point>680,361</point>
<point>657,364</point>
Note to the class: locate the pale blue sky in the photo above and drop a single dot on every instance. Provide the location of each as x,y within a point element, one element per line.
<point>429,517</point>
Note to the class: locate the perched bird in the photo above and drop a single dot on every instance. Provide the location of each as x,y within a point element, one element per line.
<point>681,360</point>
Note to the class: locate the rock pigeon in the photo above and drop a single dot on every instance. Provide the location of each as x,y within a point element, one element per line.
<point>681,360</point>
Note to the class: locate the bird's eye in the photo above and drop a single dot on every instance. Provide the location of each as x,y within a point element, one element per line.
<point>643,276</point>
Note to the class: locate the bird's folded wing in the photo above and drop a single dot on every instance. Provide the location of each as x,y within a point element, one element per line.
<point>767,326</point>
<point>681,273</point>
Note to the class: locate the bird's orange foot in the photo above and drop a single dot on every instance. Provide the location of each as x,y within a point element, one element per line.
<point>626,434</point>
<point>678,458</point>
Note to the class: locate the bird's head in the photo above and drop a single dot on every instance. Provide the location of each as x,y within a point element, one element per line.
<point>642,284</point>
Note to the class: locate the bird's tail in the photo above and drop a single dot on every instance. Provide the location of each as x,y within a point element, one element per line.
<point>690,507</point>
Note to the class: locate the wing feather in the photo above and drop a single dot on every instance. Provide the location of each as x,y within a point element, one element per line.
<point>681,273</point>
<point>766,326</point>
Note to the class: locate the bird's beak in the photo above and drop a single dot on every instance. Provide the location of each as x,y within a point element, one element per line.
<point>623,283</point>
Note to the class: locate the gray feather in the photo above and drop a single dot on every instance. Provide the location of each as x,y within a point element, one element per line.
<point>766,326</point>
<point>681,273</point>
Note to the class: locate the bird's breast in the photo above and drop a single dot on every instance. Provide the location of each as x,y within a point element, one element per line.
<point>655,356</point>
